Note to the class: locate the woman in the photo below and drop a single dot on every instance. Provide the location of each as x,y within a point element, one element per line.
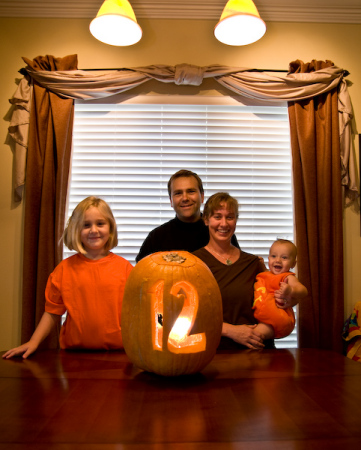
<point>235,272</point>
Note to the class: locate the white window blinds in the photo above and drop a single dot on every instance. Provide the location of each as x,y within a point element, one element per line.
<point>126,153</point>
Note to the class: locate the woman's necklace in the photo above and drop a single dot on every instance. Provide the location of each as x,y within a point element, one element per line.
<point>227,259</point>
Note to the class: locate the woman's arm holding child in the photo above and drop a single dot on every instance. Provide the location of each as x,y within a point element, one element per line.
<point>243,334</point>
<point>46,324</point>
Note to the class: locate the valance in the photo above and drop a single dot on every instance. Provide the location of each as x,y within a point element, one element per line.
<point>80,84</point>
<point>19,133</point>
<point>250,83</point>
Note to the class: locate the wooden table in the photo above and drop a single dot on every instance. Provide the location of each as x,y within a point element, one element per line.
<point>254,400</point>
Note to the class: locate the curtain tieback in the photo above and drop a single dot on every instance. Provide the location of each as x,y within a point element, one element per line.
<point>188,74</point>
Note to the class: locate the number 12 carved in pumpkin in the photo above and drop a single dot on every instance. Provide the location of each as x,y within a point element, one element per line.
<point>179,339</point>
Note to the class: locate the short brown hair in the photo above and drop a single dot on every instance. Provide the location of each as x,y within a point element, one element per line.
<point>184,173</point>
<point>74,226</point>
<point>216,200</point>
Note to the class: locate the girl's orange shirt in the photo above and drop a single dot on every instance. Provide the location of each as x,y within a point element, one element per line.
<point>91,292</point>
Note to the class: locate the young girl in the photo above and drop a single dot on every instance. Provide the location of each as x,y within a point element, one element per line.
<point>89,286</point>
<point>277,291</point>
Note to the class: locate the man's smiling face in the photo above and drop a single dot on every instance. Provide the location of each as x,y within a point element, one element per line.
<point>186,199</point>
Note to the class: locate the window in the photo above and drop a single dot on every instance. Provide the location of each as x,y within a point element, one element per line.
<point>126,152</point>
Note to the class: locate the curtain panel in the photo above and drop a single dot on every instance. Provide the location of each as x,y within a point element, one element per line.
<point>315,145</point>
<point>62,83</point>
<point>47,171</point>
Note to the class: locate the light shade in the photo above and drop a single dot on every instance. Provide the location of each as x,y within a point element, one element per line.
<point>240,23</point>
<point>115,24</point>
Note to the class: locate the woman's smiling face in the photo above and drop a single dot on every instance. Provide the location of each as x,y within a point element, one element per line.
<point>222,224</point>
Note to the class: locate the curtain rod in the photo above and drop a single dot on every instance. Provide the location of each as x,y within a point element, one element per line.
<point>248,70</point>
<point>24,72</point>
<point>345,72</point>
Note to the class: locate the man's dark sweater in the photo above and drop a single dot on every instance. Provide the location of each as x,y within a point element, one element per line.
<point>177,235</point>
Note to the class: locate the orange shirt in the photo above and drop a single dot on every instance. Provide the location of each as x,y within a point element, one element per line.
<point>91,292</point>
<point>265,308</point>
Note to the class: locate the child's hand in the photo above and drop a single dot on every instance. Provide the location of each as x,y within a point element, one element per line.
<point>26,349</point>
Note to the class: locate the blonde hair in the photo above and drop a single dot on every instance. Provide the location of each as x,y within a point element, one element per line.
<point>216,200</point>
<point>74,226</point>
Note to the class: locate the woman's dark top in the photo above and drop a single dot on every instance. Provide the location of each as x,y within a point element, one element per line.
<point>236,283</point>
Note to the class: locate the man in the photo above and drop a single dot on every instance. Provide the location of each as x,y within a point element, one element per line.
<point>187,230</point>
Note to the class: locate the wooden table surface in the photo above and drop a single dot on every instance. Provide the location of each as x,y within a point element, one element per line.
<point>254,400</point>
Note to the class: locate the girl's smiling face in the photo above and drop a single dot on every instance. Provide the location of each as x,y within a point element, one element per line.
<point>281,258</point>
<point>95,233</point>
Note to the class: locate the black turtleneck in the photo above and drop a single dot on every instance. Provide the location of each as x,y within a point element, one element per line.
<point>177,235</point>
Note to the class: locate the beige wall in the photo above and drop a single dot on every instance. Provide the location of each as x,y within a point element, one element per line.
<point>164,42</point>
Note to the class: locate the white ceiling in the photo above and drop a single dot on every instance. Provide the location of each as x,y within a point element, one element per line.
<point>324,11</point>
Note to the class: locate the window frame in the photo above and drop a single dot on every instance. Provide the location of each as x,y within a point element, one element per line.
<point>172,98</point>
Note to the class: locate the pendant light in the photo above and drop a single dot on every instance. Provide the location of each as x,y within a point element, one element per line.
<point>240,23</point>
<point>115,24</point>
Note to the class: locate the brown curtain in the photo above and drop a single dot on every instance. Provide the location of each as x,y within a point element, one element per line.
<point>318,209</point>
<point>47,170</point>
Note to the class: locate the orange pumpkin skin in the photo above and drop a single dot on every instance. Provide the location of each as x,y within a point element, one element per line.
<point>164,291</point>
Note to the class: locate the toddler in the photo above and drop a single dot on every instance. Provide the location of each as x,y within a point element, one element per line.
<point>277,291</point>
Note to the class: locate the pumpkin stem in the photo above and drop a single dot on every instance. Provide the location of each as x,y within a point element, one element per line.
<point>174,257</point>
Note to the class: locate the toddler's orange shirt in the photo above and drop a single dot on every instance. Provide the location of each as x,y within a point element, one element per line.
<point>91,292</point>
<point>265,308</point>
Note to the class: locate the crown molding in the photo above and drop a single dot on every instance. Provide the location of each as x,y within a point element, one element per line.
<point>321,11</point>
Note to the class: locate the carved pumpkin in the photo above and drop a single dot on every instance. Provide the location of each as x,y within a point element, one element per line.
<point>171,314</point>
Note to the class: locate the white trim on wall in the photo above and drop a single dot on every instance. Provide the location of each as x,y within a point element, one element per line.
<point>322,11</point>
